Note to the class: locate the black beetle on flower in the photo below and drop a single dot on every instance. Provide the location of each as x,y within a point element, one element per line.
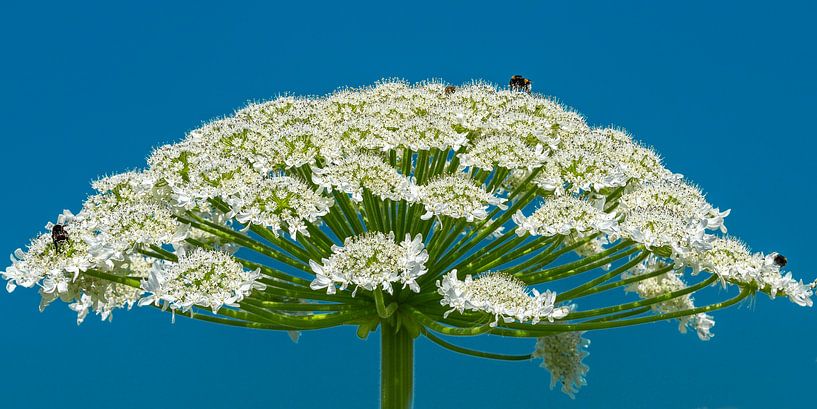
<point>59,235</point>
<point>520,83</point>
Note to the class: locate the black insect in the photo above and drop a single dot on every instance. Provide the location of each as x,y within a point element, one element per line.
<point>450,90</point>
<point>780,260</point>
<point>520,83</point>
<point>59,235</point>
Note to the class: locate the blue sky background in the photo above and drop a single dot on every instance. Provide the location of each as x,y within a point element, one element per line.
<point>726,92</point>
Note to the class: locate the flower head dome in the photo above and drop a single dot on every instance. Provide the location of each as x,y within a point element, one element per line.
<point>598,160</point>
<point>284,133</point>
<point>119,226</point>
<point>195,172</point>
<point>266,218</point>
<point>130,186</point>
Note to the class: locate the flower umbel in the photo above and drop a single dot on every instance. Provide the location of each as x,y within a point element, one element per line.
<point>413,210</point>
<point>209,279</point>
<point>456,197</point>
<point>565,215</point>
<point>500,295</point>
<point>562,356</point>
<point>370,261</point>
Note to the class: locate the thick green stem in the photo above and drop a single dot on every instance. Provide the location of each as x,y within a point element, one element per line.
<point>397,368</point>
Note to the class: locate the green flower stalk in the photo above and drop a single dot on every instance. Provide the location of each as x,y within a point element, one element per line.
<point>412,210</point>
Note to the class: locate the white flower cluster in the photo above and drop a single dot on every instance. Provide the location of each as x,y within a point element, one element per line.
<point>507,152</point>
<point>279,203</point>
<point>666,283</point>
<point>284,133</point>
<point>129,186</point>
<point>598,159</point>
<point>90,294</point>
<point>120,225</point>
<point>501,295</point>
<point>44,262</point>
<point>731,261</point>
<point>566,215</point>
<point>204,277</point>
<point>456,196</point>
<point>56,269</point>
<point>372,260</point>
<point>670,212</point>
<point>392,115</point>
<point>196,171</point>
<point>482,109</point>
<point>562,356</point>
<point>357,172</point>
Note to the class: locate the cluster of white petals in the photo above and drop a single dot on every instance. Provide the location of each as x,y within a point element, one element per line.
<point>665,283</point>
<point>279,203</point>
<point>100,296</point>
<point>482,109</point>
<point>195,172</point>
<point>283,133</point>
<point>670,213</point>
<point>372,260</point>
<point>57,272</point>
<point>130,186</point>
<point>509,152</point>
<point>564,215</point>
<point>456,196</point>
<point>42,262</point>
<point>596,160</point>
<point>731,260</point>
<point>389,116</point>
<point>677,196</point>
<point>354,173</point>
<point>119,225</point>
<point>562,356</point>
<point>204,278</point>
<point>501,295</point>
